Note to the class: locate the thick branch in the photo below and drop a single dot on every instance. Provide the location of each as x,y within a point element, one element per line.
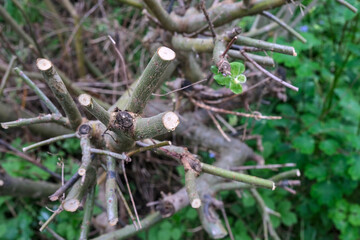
<point>61,93</point>
<point>156,125</point>
<point>150,79</point>
<point>20,187</point>
<point>78,191</point>
<point>110,189</point>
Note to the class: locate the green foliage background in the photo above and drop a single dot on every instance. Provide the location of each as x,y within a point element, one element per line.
<point>320,132</point>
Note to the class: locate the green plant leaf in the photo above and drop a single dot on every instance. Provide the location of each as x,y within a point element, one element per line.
<point>214,69</point>
<point>318,172</point>
<point>305,144</point>
<point>235,87</point>
<point>329,146</point>
<point>325,192</point>
<point>236,68</point>
<point>222,80</point>
<point>354,170</point>
<point>354,215</point>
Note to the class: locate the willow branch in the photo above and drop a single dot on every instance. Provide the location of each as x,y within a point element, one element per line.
<point>226,13</point>
<point>348,5</point>
<point>110,192</point>
<point>56,195</point>
<point>287,174</point>
<point>60,91</point>
<point>262,60</point>
<point>284,25</point>
<point>56,118</point>
<point>255,181</point>
<point>278,179</point>
<point>86,155</point>
<point>241,40</point>
<point>150,79</point>
<point>267,73</point>
<point>78,191</point>
<point>48,141</point>
<point>88,211</point>
<point>149,147</point>
<point>190,185</point>
<point>123,139</point>
<point>7,74</point>
<point>109,153</point>
<point>156,125</point>
<point>37,90</point>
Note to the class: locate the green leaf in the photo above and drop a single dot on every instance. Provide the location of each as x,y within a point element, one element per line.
<point>318,172</point>
<point>325,192</point>
<point>236,69</point>
<point>222,80</point>
<point>214,69</point>
<point>176,234</point>
<point>354,170</point>
<point>235,87</point>
<point>247,199</point>
<point>304,144</point>
<point>289,219</point>
<point>354,215</point>
<point>329,146</point>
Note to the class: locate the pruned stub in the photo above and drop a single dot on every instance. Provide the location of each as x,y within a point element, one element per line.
<point>123,120</point>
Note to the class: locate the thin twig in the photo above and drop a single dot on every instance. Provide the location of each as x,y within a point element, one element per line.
<point>179,89</point>
<point>269,166</point>
<point>218,126</point>
<point>49,141</point>
<point>229,46</point>
<point>222,100</point>
<point>64,187</point>
<point>51,218</point>
<point>284,25</point>
<point>348,5</point>
<point>211,26</point>
<point>222,208</point>
<point>128,209</point>
<point>142,149</point>
<point>220,110</point>
<point>267,73</point>
<point>7,74</point>
<point>131,196</point>
<point>120,56</point>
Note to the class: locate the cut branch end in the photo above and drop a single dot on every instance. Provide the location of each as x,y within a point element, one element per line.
<point>196,203</point>
<point>71,205</point>
<point>43,64</point>
<point>113,222</point>
<point>85,100</point>
<point>170,121</point>
<point>166,54</point>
